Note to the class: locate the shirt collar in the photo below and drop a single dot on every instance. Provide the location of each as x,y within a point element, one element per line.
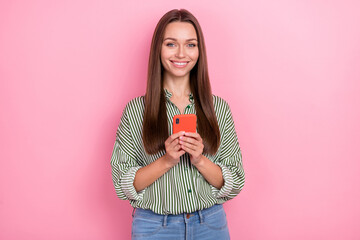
<point>168,95</point>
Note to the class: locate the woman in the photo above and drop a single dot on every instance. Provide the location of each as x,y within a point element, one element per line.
<point>177,182</point>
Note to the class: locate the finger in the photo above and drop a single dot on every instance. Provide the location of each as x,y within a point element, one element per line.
<point>182,152</point>
<point>192,141</point>
<point>188,140</point>
<point>173,144</point>
<point>190,146</point>
<point>188,150</point>
<point>193,135</point>
<point>176,135</point>
<point>177,147</point>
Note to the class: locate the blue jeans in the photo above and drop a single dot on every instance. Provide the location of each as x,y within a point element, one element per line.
<point>206,224</point>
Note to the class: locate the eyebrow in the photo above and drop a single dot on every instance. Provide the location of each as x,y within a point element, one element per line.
<point>188,40</point>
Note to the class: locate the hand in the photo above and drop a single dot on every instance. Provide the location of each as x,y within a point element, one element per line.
<point>173,149</point>
<point>192,143</point>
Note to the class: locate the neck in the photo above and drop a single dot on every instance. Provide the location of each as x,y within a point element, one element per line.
<point>178,86</point>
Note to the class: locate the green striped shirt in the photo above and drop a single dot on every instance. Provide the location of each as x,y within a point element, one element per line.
<point>182,189</point>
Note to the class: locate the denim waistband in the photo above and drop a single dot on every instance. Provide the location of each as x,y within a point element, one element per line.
<point>194,216</point>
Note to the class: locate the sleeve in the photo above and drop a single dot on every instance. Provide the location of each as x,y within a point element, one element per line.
<point>123,162</point>
<point>230,162</point>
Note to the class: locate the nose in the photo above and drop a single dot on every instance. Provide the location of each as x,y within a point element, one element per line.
<point>180,52</point>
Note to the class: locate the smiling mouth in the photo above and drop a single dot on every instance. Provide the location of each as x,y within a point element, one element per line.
<point>179,64</point>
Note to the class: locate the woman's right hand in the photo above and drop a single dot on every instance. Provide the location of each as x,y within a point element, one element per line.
<point>173,149</point>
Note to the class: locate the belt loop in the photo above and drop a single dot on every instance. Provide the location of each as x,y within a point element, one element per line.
<point>165,220</point>
<point>133,212</point>
<point>201,217</point>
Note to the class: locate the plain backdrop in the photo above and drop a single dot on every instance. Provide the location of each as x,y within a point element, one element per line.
<point>289,70</point>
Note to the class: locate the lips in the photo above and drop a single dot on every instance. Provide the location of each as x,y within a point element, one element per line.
<point>179,64</point>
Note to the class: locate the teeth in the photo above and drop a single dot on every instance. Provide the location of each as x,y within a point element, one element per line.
<point>180,64</point>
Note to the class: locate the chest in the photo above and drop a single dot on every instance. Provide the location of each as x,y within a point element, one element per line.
<point>181,104</point>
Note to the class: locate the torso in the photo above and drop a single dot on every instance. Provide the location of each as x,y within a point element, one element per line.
<point>175,201</point>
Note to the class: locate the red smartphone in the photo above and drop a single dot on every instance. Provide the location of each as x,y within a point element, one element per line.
<point>184,122</point>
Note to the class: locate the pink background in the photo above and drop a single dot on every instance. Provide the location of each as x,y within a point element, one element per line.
<point>289,70</point>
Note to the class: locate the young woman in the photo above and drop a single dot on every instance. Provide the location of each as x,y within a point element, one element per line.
<point>177,182</point>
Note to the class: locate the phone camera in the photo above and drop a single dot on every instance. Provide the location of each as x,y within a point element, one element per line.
<point>177,121</point>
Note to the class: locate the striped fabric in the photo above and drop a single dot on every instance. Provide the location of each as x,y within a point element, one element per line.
<point>182,189</point>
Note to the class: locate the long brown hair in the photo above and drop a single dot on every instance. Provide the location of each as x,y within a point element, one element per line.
<point>155,125</point>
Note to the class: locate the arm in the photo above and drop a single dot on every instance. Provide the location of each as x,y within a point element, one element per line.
<point>123,162</point>
<point>147,175</point>
<point>230,161</point>
<point>129,177</point>
<point>225,174</point>
<point>210,171</point>
<point>192,143</point>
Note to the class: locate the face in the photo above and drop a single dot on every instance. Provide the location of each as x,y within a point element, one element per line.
<point>179,51</point>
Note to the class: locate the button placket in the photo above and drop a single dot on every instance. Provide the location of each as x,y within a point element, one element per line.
<point>187,108</point>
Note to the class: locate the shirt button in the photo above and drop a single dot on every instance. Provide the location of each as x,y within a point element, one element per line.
<point>189,191</point>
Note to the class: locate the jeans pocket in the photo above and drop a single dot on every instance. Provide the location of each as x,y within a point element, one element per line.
<point>144,227</point>
<point>216,221</point>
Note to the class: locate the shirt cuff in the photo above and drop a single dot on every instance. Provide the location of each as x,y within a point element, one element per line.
<point>228,183</point>
<point>127,185</point>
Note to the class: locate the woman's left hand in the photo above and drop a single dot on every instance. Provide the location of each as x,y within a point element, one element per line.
<point>192,143</point>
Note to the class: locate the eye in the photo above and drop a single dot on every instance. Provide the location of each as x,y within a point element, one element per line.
<point>170,44</point>
<point>192,45</point>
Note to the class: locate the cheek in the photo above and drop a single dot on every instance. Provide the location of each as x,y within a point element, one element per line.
<point>164,51</point>
<point>194,55</point>
<point>163,57</point>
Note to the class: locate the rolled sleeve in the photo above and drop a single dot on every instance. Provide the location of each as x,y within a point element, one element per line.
<point>230,162</point>
<point>123,163</point>
<point>127,185</point>
<point>228,183</point>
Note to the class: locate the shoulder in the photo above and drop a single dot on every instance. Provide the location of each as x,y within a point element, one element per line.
<point>136,104</point>
<point>220,104</point>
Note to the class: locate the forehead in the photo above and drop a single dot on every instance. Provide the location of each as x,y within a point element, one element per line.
<point>180,30</point>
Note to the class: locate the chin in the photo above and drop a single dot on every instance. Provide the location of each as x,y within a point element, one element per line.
<point>179,74</point>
